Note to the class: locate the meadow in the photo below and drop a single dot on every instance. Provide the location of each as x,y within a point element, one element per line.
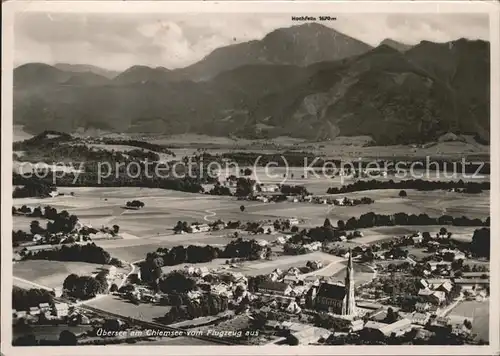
<point>151,227</point>
<point>479,312</point>
<point>51,274</point>
<point>117,305</point>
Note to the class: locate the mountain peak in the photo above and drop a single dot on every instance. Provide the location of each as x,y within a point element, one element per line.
<point>402,47</point>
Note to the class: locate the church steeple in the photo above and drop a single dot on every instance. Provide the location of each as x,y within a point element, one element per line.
<point>349,304</point>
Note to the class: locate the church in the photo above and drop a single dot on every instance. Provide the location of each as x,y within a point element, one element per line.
<point>338,299</point>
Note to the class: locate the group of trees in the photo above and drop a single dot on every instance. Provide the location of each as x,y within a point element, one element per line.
<point>372,219</point>
<point>32,189</point>
<point>244,186</point>
<point>90,253</point>
<point>135,204</point>
<point>60,222</point>
<point>293,190</point>
<point>207,304</point>
<point>19,236</point>
<point>480,245</point>
<point>85,287</point>
<point>417,184</point>
<point>91,178</point>
<point>239,248</point>
<point>23,299</point>
<point>219,189</point>
<point>136,143</point>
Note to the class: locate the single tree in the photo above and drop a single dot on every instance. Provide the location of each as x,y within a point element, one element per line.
<point>67,338</point>
<point>402,194</point>
<point>242,208</point>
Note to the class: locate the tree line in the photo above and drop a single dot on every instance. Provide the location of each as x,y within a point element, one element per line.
<point>417,184</point>
<point>32,188</point>
<point>90,253</point>
<point>23,299</point>
<point>239,248</point>
<point>136,143</point>
<point>297,159</point>
<point>41,187</point>
<point>372,219</point>
<point>85,287</point>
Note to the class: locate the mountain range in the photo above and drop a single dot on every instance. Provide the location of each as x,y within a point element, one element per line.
<point>307,81</point>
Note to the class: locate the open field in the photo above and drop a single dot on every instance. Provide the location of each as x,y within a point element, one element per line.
<point>479,312</point>
<point>52,273</point>
<point>384,233</point>
<point>343,147</point>
<point>117,305</point>
<point>254,268</point>
<point>23,223</point>
<point>151,227</point>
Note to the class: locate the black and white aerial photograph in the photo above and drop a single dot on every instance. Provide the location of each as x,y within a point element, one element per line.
<point>213,178</point>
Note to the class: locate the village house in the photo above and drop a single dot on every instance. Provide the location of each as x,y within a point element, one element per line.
<point>262,243</point>
<point>435,283</point>
<point>310,335</point>
<point>312,279</point>
<point>293,221</point>
<point>262,199</point>
<point>44,307</point>
<point>417,238</point>
<point>201,271</point>
<point>274,276</point>
<point>472,283</point>
<point>442,265</point>
<point>268,188</point>
<point>475,275</point>
<point>61,309</point>
<point>38,248</point>
<point>34,311</point>
<point>431,296</point>
<point>198,228</point>
<point>293,308</point>
<point>290,279</point>
<point>422,307</point>
<point>420,318</point>
<point>397,328</point>
<point>275,288</point>
<point>313,246</point>
<point>445,287</point>
<point>280,240</point>
<point>267,228</point>
<point>21,314</point>
<point>458,255</point>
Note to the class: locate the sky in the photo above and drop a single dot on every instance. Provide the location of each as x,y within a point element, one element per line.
<point>119,41</point>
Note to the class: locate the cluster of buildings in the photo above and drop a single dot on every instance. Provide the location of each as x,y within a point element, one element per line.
<point>55,311</point>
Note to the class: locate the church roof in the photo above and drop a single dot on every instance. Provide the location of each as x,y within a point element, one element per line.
<point>333,291</point>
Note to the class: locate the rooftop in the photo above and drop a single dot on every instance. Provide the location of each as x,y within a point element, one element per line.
<point>333,291</point>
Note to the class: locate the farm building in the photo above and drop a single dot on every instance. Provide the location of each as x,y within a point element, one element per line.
<point>472,283</point>
<point>34,311</point>
<point>397,328</point>
<point>275,288</point>
<point>475,275</point>
<point>198,228</point>
<point>61,309</point>
<point>420,318</point>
